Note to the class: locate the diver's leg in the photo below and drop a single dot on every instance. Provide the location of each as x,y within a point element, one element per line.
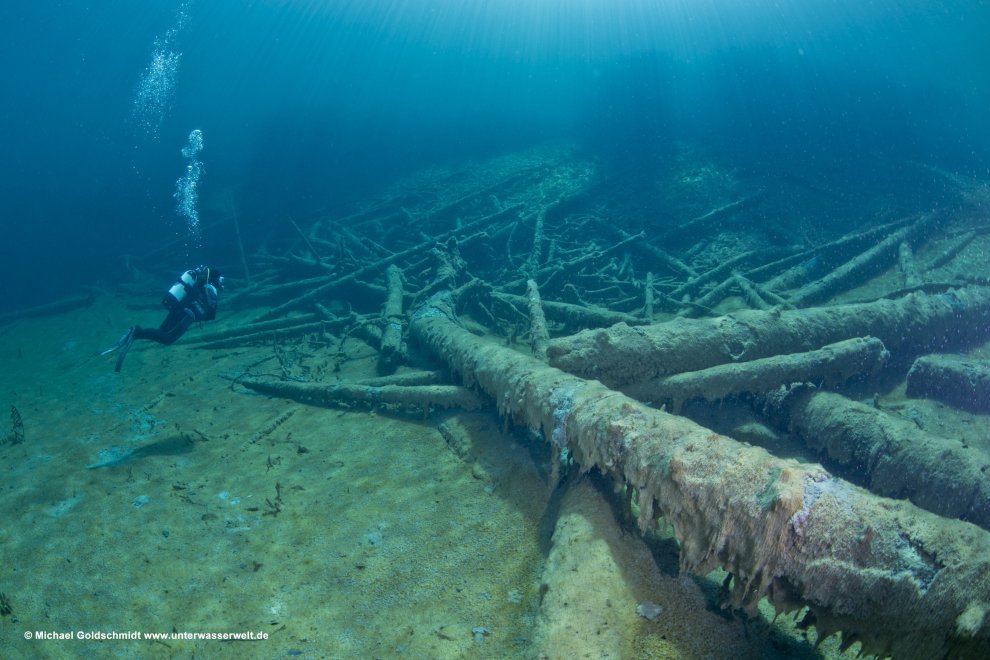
<point>152,334</point>
<point>173,328</point>
<point>174,325</point>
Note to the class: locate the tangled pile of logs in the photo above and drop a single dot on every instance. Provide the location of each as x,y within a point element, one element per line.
<point>580,325</point>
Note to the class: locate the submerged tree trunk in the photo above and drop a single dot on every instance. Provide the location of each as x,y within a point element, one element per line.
<point>917,322</point>
<point>901,580</point>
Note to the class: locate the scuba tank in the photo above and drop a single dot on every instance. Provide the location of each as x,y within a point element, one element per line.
<point>178,291</point>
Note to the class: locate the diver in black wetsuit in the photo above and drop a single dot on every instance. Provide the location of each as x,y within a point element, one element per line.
<point>191,299</point>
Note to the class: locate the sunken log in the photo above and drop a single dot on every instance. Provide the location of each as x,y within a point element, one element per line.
<point>828,366</point>
<point>391,350</point>
<point>403,396</point>
<point>916,323</point>
<point>56,307</point>
<point>540,337</point>
<point>869,263</point>
<point>899,579</point>
<point>960,382</point>
<point>249,329</point>
<point>896,458</point>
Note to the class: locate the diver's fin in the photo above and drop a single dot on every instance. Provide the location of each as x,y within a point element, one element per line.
<point>128,340</point>
<point>124,338</point>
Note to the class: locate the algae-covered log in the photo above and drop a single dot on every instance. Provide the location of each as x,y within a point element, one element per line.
<point>575,315</point>
<point>897,458</point>
<point>716,274</point>
<point>917,322</point>
<point>647,299</point>
<point>960,382</point>
<point>421,396</point>
<point>713,297</point>
<point>829,366</point>
<point>405,378</point>
<point>855,270</point>
<point>537,321</point>
<point>56,307</point>
<point>250,329</point>
<point>754,297</point>
<point>392,352</point>
<point>949,252</point>
<point>902,580</point>
<point>908,265</point>
<point>266,337</point>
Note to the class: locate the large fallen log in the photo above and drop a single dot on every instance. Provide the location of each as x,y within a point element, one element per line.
<point>918,322</point>
<point>808,263</point>
<point>419,396</point>
<point>540,337</point>
<point>960,382</point>
<point>950,251</point>
<point>861,267</point>
<point>895,457</point>
<point>56,307</point>
<point>828,366</point>
<point>405,379</point>
<point>391,351</point>
<point>901,580</point>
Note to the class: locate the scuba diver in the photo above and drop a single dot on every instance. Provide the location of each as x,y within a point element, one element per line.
<point>192,298</point>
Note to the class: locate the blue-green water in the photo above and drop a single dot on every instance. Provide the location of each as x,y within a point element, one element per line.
<point>304,105</point>
<point>642,162</point>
